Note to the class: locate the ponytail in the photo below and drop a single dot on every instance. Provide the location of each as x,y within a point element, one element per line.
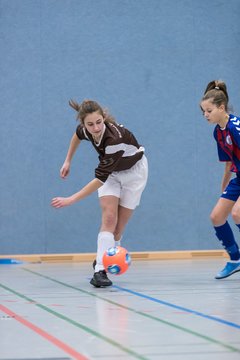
<point>89,107</point>
<point>74,105</point>
<point>216,91</point>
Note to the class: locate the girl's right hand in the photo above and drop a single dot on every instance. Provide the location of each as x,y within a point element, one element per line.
<point>65,169</point>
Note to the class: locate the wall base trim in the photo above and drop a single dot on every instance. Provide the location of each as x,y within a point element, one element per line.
<point>151,255</point>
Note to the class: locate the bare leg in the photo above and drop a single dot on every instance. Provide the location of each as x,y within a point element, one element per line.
<point>225,235</point>
<point>114,220</point>
<point>114,216</point>
<point>221,211</point>
<point>124,215</point>
<point>109,206</point>
<point>236,212</point>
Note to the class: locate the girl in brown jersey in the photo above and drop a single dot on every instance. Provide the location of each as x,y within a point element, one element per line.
<point>120,177</point>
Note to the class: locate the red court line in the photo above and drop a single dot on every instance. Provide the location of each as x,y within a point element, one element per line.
<point>67,349</point>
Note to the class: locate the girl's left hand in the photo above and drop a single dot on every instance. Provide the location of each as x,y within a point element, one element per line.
<point>60,202</point>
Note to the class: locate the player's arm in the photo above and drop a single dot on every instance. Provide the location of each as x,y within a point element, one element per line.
<point>226,175</point>
<point>88,189</point>
<point>74,143</point>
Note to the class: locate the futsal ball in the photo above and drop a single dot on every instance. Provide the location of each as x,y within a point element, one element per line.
<point>116,260</point>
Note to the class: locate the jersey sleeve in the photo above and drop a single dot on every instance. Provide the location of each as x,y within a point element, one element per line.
<point>81,133</point>
<point>235,131</point>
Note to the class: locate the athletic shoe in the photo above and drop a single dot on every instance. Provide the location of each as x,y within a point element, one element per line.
<point>100,279</point>
<point>94,264</point>
<point>229,269</point>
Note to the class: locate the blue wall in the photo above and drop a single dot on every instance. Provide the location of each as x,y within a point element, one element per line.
<point>148,61</point>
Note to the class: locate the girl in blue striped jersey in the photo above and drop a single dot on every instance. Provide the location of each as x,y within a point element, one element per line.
<point>214,105</point>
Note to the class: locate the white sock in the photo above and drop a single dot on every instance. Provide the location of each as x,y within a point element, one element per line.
<point>105,241</point>
<point>118,242</point>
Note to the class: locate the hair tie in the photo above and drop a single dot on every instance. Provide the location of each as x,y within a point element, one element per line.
<point>217,88</point>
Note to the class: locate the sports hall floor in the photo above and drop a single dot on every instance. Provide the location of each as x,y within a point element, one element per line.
<point>159,309</point>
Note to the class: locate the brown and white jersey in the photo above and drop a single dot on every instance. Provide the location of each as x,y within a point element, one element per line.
<point>118,149</point>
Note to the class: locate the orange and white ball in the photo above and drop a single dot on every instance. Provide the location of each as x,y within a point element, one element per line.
<point>116,260</point>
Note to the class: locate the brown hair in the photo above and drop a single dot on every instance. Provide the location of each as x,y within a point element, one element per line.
<point>89,107</point>
<point>216,92</point>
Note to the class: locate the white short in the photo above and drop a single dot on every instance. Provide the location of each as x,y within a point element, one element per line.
<point>127,185</point>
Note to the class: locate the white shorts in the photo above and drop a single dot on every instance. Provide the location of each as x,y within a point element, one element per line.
<point>127,185</point>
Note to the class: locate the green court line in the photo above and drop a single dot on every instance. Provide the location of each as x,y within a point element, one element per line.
<point>75,323</point>
<point>175,326</point>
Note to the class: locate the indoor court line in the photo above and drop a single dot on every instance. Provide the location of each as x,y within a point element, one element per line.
<point>77,324</point>
<point>64,347</point>
<point>176,326</point>
<point>194,312</point>
<point>150,298</point>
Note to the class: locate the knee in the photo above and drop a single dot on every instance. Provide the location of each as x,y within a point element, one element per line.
<point>109,219</point>
<point>216,218</point>
<point>236,214</point>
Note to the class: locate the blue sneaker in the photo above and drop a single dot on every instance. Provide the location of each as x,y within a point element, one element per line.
<point>229,269</point>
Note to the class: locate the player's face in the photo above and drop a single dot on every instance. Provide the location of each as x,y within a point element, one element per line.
<point>94,124</point>
<point>211,112</point>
